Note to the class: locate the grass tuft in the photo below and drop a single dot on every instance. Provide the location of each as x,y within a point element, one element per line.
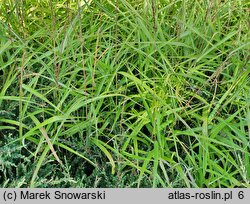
<point>124,93</point>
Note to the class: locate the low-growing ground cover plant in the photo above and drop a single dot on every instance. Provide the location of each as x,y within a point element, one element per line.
<point>124,93</point>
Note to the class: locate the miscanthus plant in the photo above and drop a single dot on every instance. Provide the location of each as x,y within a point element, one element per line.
<point>125,93</point>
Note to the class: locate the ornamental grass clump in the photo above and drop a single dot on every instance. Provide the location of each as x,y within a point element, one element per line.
<point>124,93</point>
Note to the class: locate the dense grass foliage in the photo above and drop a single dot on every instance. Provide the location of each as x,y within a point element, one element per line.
<point>125,93</point>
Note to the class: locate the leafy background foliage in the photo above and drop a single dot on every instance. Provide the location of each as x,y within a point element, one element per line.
<point>124,93</point>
